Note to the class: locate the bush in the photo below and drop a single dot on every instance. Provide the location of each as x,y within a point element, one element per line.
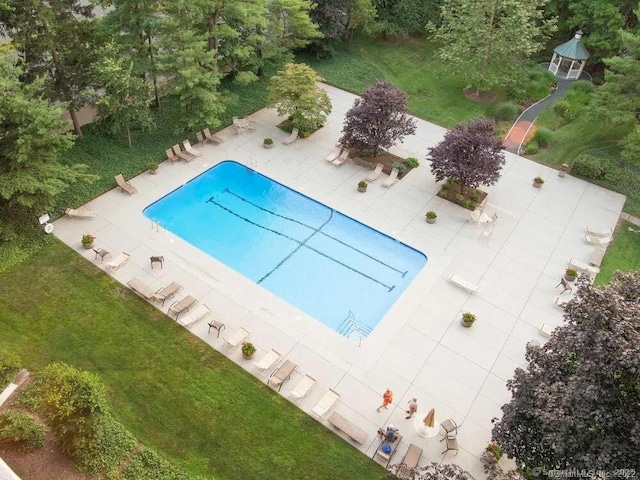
<point>9,367</point>
<point>565,110</point>
<point>588,166</point>
<point>401,167</point>
<point>505,111</point>
<point>148,465</point>
<point>22,429</point>
<point>531,148</point>
<point>412,162</point>
<point>543,136</point>
<point>582,86</point>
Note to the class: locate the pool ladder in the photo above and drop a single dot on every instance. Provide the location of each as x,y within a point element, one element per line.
<point>350,325</point>
<point>251,163</point>
<point>157,226</point>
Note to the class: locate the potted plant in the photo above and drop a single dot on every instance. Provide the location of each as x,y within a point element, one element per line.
<point>538,181</point>
<point>570,274</point>
<point>564,168</point>
<point>431,216</point>
<point>267,143</point>
<point>468,319</point>
<point>248,350</point>
<point>153,168</point>
<point>494,449</point>
<point>87,240</point>
<point>362,186</point>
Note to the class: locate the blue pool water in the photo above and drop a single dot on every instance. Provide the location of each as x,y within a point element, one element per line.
<point>339,271</point>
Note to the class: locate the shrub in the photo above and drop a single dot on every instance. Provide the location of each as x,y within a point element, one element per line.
<point>401,167</point>
<point>431,215</point>
<point>565,110</point>
<point>362,184</point>
<point>582,86</point>
<point>248,349</point>
<point>22,429</point>
<point>543,137</point>
<point>505,111</point>
<point>588,166</point>
<point>412,162</point>
<point>9,367</point>
<point>571,272</point>
<point>468,317</point>
<point>538,180</point>
<point>531,148</point>
<point>268,141</point>
<point>153,166</point>
<point>495,449</point>
<point>469,204</point>
<point>148,465</point>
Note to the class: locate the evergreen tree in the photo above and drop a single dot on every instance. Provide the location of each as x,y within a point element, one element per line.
<point>486,42</point>
<point>57,40</point>
<point>30,144</point>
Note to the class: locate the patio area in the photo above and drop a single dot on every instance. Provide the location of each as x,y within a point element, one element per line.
<point>419,349</point>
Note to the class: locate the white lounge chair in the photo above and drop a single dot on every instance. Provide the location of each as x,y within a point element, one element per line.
<point>291,138</point>
<point>141,288</point>
<point>607,232</point>
<point>120,260</point>
<point>581,266</point>
<point>462,283</point>
<point>80,213</point>
<point>326,403</point>
<point>595,240</point>
<point>302,388</point>
<point>189,149</point>
<point>124,185</point>
<point>201,311</point>
<point>343,157</point>
<point>236,338</point>
<point>332,156</point>
<point>373,176</point>
<point>392,178</point>
<point>267,361</point>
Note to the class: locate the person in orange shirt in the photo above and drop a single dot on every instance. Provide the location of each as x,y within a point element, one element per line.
<point>387,398</point>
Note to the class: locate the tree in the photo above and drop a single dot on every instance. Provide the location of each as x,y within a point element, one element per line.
<point>338,20</point>
<point>377,120</point>
<point>431,471</point>
<point>618,100</point>
<point>470,153</point>
<point>576,404</point>
<point>30,144</point>
<point>407,16</point>
<point>124,102</point>
<point>486,42</point>
<point>294,93</point>
<point>57,39</point>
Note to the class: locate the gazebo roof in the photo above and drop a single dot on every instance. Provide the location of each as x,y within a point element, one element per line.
<point>573,49</point>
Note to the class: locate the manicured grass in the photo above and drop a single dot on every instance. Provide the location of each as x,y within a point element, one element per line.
<point>433,94</point>
<point>171,390</point>
<point>622,254</point>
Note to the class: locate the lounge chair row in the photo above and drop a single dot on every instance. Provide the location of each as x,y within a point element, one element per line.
<point>175,154</point>
<point>160,295</point>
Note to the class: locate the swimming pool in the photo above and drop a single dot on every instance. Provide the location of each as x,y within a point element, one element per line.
<point>332,267</point>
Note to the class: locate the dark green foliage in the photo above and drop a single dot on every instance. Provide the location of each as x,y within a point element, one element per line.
<point>19,428</point>
<point>581,86</point>
<point>505,111</point>
<point>566,110</point>
<point>543,136</point>
<point>401,167</point>
<point>9,367</point>
<point>588,166</point>
<point>533,85</point>
<point>406,16</point>
<point>412,162</point>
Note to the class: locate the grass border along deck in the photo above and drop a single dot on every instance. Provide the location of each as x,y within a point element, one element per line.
<point>170,389</point>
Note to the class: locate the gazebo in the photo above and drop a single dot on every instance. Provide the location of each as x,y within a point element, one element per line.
<point>569,58</point>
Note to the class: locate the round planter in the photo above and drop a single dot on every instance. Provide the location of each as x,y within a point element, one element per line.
<point>561,173</point>
<point>362,189</point>
<point>430,220</point>
<point>465,323</point>
<point>88,245</point>
<point>153,172</point>
<point>248,357</point>
<point>569,278</point>
<point>268,145</point>
<point>537,185</point>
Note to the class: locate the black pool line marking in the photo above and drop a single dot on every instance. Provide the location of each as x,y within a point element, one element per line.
<point>226,190</point>
<point>301,244</point>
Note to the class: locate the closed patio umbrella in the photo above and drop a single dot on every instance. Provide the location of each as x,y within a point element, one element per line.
<point>429,420</point>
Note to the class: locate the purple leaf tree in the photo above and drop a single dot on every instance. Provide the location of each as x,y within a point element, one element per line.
<point>377,120</point>
<point>577,403</point>
<point>470,153</point>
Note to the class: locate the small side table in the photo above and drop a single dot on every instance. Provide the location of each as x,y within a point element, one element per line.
<point>101,252</point>
<point>158,259</point>
<point>215,324</point>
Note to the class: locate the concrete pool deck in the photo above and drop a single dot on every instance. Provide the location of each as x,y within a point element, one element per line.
<point>419,348</point>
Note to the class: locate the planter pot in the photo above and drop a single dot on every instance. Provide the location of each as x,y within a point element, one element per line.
<point>153,172</point>
<point>362,189</point>
<point>465,323</point>
<point>537,185</point>
<point>430,220</point>
<point>569,278</point>
<point>561,173</point>
<point>268,145</point>
<point>88,245</point>
<point>248,357</point>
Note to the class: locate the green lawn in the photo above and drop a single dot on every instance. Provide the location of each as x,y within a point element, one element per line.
<point>410,65</point>
<point>622,254</point>
<point>171,390</point>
